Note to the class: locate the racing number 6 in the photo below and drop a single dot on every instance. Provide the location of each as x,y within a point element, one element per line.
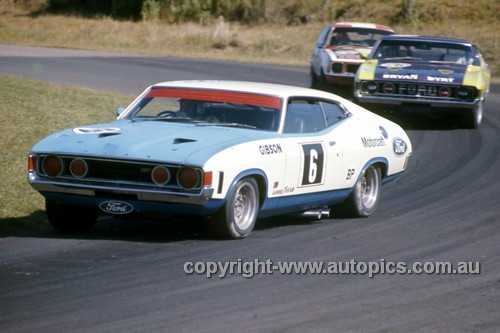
<point>313,167</point>
<point>313,164</point>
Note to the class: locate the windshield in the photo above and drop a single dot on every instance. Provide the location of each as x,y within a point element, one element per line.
<point>356,36</point>
<point>208,108</point>
<point>423,50</point>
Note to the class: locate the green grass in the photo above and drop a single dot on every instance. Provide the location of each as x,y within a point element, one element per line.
<point>30,111</point>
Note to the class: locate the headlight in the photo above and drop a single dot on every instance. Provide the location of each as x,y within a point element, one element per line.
<point>463,93</point>
<point>337,67</point>
<point>444,92</point>
<point>389,88</point>
<point>52,165</point>
<point>188,178</point>
<point>78,168</point>
<point>370,87</point>
<point>160,175</point>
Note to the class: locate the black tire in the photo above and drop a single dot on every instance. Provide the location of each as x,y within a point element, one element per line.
<point>313,79</point>
<point>70,218</point>
<point>237,217</point>
<point>472,119</point>
<point>364,198</point>
<point>316,81</point>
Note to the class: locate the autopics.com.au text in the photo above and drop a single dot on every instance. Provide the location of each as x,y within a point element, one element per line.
<point>249,269</point>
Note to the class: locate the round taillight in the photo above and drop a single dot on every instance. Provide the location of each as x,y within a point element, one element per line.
<point>371,87</point>
<point>463,93</point>
<point>160,175</point>
<point>188,178</point>
<point>52,165</point>
<point>78,168</point>
<point>389,88</point>
<point>337,67</point>
<point>444,92</point>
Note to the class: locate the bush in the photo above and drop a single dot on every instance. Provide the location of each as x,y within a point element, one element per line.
<point>283,11</point>
<point>120,9</point>
<point>126,9</point>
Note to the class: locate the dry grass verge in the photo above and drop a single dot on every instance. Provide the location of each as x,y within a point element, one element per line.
<point>30,111</point>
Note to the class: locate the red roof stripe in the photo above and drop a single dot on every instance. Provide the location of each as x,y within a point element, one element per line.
<point>362,26</point>
<point>217,96</point>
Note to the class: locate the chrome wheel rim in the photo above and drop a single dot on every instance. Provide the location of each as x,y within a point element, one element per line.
<point>244,206</point>
<point>368,188</point>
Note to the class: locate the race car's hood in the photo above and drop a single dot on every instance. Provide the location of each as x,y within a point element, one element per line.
<point>148,140</point>
<point>350,51</point>
<point>420,71</point>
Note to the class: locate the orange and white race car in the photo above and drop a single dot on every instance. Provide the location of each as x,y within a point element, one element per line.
<point>340,49</point>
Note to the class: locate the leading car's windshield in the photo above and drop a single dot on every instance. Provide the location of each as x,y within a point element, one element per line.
<point>208,108</point>
<point>424,50</point>
<point>356,36</point>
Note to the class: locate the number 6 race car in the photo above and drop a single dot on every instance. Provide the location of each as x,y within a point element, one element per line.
<point>231,151</point>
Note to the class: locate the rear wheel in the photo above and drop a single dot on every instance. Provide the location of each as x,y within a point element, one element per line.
<point>70,218</point>
<point>237,217</point>
<point>364,198</point>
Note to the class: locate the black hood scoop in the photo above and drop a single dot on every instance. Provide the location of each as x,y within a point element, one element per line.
<point>182,140</point>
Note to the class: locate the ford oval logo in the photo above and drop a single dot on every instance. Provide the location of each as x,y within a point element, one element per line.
<point>399,146</point>
<point>116,207</point>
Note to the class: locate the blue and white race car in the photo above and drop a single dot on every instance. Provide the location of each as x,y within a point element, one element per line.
<point>231,151</point>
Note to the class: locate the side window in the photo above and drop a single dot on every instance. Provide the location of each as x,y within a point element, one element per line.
<point>304,116</point>
<point>333,113</point>
<point>478,58</point>
<point>322,36</point>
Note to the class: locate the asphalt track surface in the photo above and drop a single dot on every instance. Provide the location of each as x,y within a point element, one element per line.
<point>127,276</point>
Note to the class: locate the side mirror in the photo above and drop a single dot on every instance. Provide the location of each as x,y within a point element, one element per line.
<point>119,111</point>
<point>364,55</point>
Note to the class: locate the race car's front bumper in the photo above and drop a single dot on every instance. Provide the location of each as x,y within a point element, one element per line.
<point>49,186</point>
<point>415,101</point>
<point>343,79</point>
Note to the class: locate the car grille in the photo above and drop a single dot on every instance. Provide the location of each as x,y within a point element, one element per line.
<point>118,174</point>
<point>417,90</point>
<point>352,68</point>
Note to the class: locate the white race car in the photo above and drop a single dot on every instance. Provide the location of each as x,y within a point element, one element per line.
<point>340,49</point>
<point>232,151</point>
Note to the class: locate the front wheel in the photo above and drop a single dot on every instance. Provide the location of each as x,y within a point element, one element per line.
<point>364,198</point>
<point>237,217</point>
<point>472,119</point>
<point>70,218</point>
<point>313,79</point>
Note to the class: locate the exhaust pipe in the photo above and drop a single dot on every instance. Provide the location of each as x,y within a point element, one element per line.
<point>318,213</point>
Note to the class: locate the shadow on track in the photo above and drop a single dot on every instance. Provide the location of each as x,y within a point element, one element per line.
<point>107,228</point>
<point>138,229</point>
